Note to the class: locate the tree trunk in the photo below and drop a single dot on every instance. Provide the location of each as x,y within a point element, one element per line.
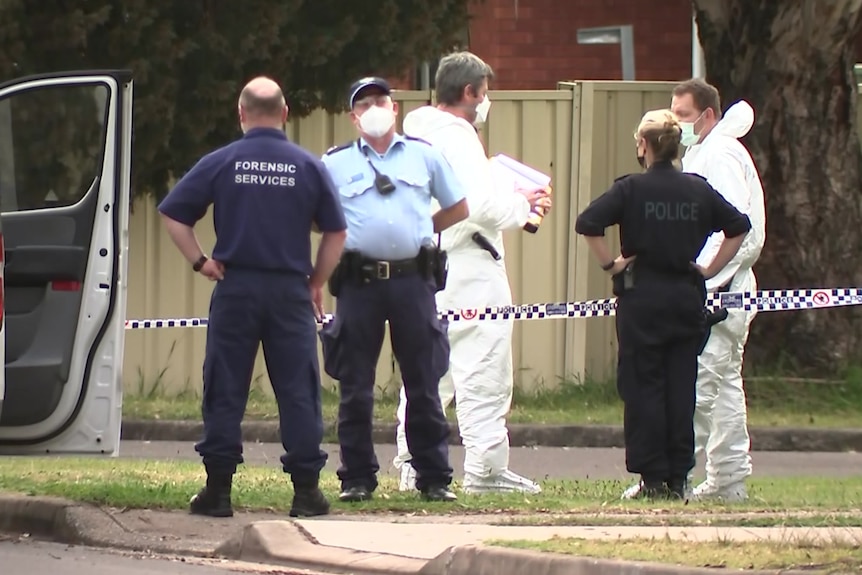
<point>792,60</point>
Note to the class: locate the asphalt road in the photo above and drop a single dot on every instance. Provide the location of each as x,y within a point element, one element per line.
<point>535,462</point>
<point>28,557</point>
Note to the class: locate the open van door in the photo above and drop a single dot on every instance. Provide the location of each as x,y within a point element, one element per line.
<point>65,160</point>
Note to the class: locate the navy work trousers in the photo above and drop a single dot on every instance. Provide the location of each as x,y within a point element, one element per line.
<point>660,326</point>
<point>249,307</point>
<point>352,345</point>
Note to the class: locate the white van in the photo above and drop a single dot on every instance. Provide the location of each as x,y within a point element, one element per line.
<point>65,160</point>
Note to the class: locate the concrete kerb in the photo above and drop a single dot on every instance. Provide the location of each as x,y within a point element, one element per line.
<point>762,438</point>
<point>287,544</point>
<point>79,524</point>
<point>269,542</point>
<point>45,516</point>
<point>484,560</point>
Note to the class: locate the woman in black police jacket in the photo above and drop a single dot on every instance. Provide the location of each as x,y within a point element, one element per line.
<point>665,217</point>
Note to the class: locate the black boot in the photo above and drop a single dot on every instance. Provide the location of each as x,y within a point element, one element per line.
<point>438,493</point>
<point>214,499</point>
<point>653,489</point>
<point>308,500</point>
<point>678,488</point>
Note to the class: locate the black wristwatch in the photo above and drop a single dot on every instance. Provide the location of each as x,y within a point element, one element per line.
<point>609,266</point>
<point>200,263</point>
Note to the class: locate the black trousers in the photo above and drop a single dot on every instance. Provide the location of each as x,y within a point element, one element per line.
<point>248,308</point>
<point>351,346</point>
<point>660,326</point>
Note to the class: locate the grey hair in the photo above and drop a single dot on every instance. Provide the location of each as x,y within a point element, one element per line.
<point>455,72</point>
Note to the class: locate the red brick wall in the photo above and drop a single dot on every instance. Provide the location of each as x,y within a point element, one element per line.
<point>404,82</point>
<point>532,44</point>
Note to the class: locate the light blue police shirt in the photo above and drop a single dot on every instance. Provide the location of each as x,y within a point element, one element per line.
<point>394,226</point>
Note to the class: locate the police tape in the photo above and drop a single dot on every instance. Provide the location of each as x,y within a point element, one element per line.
<point>763,300</point>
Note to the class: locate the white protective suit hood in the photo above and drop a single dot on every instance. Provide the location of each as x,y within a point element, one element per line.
<point>421,122</point>
<point>491,210</point>
<point>736,122</point>
<point>728,167</point>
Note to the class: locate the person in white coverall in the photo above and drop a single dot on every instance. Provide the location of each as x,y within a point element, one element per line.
<point>480,375</point>
<point>714,152</point>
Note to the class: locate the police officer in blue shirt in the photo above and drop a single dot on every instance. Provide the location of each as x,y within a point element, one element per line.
<point>390,270</point>
<point>267,194</point>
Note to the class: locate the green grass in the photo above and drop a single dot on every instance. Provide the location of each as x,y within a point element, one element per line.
<point>771,402</point>
<point>829,557</point>
<point>741,517</point>
<point>149,484</point>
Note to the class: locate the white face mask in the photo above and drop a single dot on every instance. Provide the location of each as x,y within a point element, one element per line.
<point>689,137</point>
<point>376,121</point>
<point>482,110</point>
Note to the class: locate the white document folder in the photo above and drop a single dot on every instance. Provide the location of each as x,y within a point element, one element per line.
<point>509,173</point>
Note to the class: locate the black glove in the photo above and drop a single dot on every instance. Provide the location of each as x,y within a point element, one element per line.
<point>712,318</point>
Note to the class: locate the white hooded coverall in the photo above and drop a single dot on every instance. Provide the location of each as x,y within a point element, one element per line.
<point>480,371</point>
<point>720,421</point>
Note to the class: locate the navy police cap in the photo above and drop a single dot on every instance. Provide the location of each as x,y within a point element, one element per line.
<point>360,85</point>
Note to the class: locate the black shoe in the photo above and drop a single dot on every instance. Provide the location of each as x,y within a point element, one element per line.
<point>677,489</point>
<point>653,490</point>
<point>214,499</point>
<point>355,494</point>
<point>309,502</point>
<point>438,493</point>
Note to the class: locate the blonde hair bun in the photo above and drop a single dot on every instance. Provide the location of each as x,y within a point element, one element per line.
<point>662,121</point>
<point>661,131</point>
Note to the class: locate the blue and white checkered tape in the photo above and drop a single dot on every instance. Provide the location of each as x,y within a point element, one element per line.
<point>764,300</point>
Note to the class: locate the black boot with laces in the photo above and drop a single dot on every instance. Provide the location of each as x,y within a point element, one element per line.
<point>214,499</point>
<point>308,499</point>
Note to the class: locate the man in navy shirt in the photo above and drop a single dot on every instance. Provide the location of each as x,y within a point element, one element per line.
<point>267,195</point>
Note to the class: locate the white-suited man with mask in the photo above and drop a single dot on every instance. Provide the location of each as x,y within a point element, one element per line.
<point>480,376</point>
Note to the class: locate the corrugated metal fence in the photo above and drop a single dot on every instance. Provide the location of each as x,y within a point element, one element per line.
<point>581,134</point>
